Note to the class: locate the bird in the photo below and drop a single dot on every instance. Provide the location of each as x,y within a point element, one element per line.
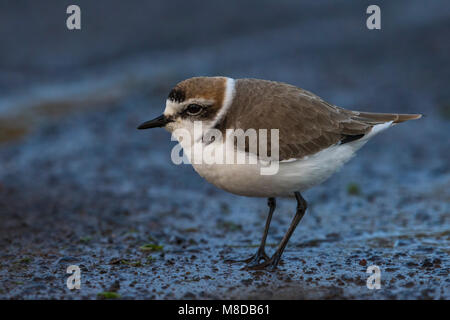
<point>314,140</point>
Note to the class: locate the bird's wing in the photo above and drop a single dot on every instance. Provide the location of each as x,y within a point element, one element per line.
<point>306,123</point>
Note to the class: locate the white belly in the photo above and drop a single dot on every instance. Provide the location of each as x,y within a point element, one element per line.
<point>292,175</point>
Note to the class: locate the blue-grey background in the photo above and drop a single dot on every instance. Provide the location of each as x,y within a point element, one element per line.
<point>80,185</point>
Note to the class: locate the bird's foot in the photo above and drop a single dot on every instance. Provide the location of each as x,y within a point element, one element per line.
<point>268,264</point>
<point>255,259</point>
<point>234,259</point>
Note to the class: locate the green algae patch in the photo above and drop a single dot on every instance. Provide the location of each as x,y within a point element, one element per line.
<point>151,247</point>
<point>108,295</point>
<point>353,189</point>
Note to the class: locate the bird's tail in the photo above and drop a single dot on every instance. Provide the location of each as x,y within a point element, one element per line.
<point>376,118</point>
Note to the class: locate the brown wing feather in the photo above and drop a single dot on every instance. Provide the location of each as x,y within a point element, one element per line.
<point>306,123</point>
<point>376,118</point>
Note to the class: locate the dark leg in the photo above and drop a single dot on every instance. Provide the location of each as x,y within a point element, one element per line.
<point>272,263</point>
<point>261,253</point>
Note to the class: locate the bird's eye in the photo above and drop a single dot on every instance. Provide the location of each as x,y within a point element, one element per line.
<point>194,109</point>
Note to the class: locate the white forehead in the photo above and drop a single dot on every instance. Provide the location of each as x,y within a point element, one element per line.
<point>172,107</point>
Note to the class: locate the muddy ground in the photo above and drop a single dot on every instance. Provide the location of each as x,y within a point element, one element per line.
<point>79,185</point>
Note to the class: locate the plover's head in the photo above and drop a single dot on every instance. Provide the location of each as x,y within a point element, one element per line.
<point>202,99</point>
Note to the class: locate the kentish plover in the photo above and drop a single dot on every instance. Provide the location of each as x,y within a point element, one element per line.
<point>315,139</point>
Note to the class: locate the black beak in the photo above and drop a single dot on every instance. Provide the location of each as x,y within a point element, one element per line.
<point>159,122</point>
